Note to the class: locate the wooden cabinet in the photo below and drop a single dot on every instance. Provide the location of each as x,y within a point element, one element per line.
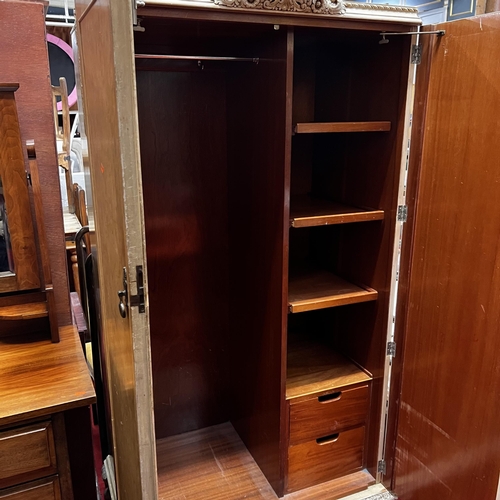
<point>267,219</point>
<point>45,439</point>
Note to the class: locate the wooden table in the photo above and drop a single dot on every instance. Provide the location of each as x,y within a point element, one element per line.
<point>45,440</point>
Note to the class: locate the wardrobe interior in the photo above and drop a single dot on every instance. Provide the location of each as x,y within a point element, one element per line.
<point>270,161</point>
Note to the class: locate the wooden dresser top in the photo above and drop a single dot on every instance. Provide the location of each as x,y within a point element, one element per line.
<point>38,377</point>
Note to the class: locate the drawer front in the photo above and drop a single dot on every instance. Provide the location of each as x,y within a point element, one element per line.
<point>46,489</point>
<point>323,459</point>
<point>329,413</point>
<point>26,453</point>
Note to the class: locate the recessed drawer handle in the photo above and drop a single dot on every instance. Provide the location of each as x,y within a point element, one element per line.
<point>328,439</point>
<point>328,398</point>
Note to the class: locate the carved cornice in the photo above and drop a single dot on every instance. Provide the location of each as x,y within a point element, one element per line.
<point>329,7</point>
<point>381,7</point>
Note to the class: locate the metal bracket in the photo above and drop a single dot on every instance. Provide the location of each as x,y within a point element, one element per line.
<point>402,213</point>
<point>391,349</point>
<point>28,178</point>
<point>139,300</point>
<point>416,54</point>
<point>382,467</point>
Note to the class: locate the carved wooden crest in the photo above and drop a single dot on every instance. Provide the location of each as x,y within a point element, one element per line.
<point>304,6</point>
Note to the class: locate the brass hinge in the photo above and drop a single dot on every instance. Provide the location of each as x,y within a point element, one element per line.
<point>382,468</point>
<point>402,213</point>
<point>391,349</point>
<point>416,54</point>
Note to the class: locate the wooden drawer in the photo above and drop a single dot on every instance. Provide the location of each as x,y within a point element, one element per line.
<point>328,413</point>
<point>326,458</point>
<point>26,453</point>
<point>46,489</point>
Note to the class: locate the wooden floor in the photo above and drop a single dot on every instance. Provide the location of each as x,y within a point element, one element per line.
<point>213,464</point>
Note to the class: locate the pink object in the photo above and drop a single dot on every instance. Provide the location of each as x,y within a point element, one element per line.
<point>66,48</point>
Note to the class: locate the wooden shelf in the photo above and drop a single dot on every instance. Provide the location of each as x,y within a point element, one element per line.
<point>329,127</point>
<point>313,368</point>
<point>31,310</point>
<point>312,289</point>
<point>306,211</point>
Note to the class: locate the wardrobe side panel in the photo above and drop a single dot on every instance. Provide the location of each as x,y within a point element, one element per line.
<point>257,155</point>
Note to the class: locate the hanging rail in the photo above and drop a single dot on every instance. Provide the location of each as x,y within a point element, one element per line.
<point>197,58</point>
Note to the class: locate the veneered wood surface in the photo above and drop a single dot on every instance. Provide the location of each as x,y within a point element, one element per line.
<point>22,39</point>
<point>17,201</point>
<point>316,368</point>
<point>214,464</point>
<point>223,162</point>
<point>45,489</point>
<point>110,111</point>
<point>313,289</point>
<point>328,127</point>
<point>306,211</point>
<point>447,445</point>
<point>38,377</point>
<point>314,418</point>
<point>311,463</point>
<point>27,453</point>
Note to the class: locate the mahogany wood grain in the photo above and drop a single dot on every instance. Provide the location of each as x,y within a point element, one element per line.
<point>24,311</point>
<point>201,257</point>
<point>420,105</point>
<point>328,127</point>
<point>328,413</point>
<point>317,461</point>
<point>315,369</point>
<point>306,211</point>
<point>17,201</point>
<point>23,39</point>
<point>27,453</point>
<point>63,463</point>
<point>44,489</point>
<point>258,157</point>
<point>213,464</point>
<point>447,446</point>
<point>186,219</point>
<point>38,377</point>
<point>310,290</point>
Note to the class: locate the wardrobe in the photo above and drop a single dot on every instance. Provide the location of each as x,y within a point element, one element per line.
<point>265,178</point>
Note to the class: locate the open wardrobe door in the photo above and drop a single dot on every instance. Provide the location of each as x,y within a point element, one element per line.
<point>448,440</point>
<point>104,30</point>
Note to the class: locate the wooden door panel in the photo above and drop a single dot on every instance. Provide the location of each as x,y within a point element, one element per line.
<point>110,112</point>
<point>448,441</point>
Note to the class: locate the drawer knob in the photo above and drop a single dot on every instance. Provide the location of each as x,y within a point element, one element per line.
<point>328,439</point>
<point>328,398</point>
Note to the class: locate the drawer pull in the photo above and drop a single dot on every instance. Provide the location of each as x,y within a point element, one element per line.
<point>328,398</point>
<point>328,439</point>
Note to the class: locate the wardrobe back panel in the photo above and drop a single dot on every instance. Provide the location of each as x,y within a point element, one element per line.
<point>183,148</point>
